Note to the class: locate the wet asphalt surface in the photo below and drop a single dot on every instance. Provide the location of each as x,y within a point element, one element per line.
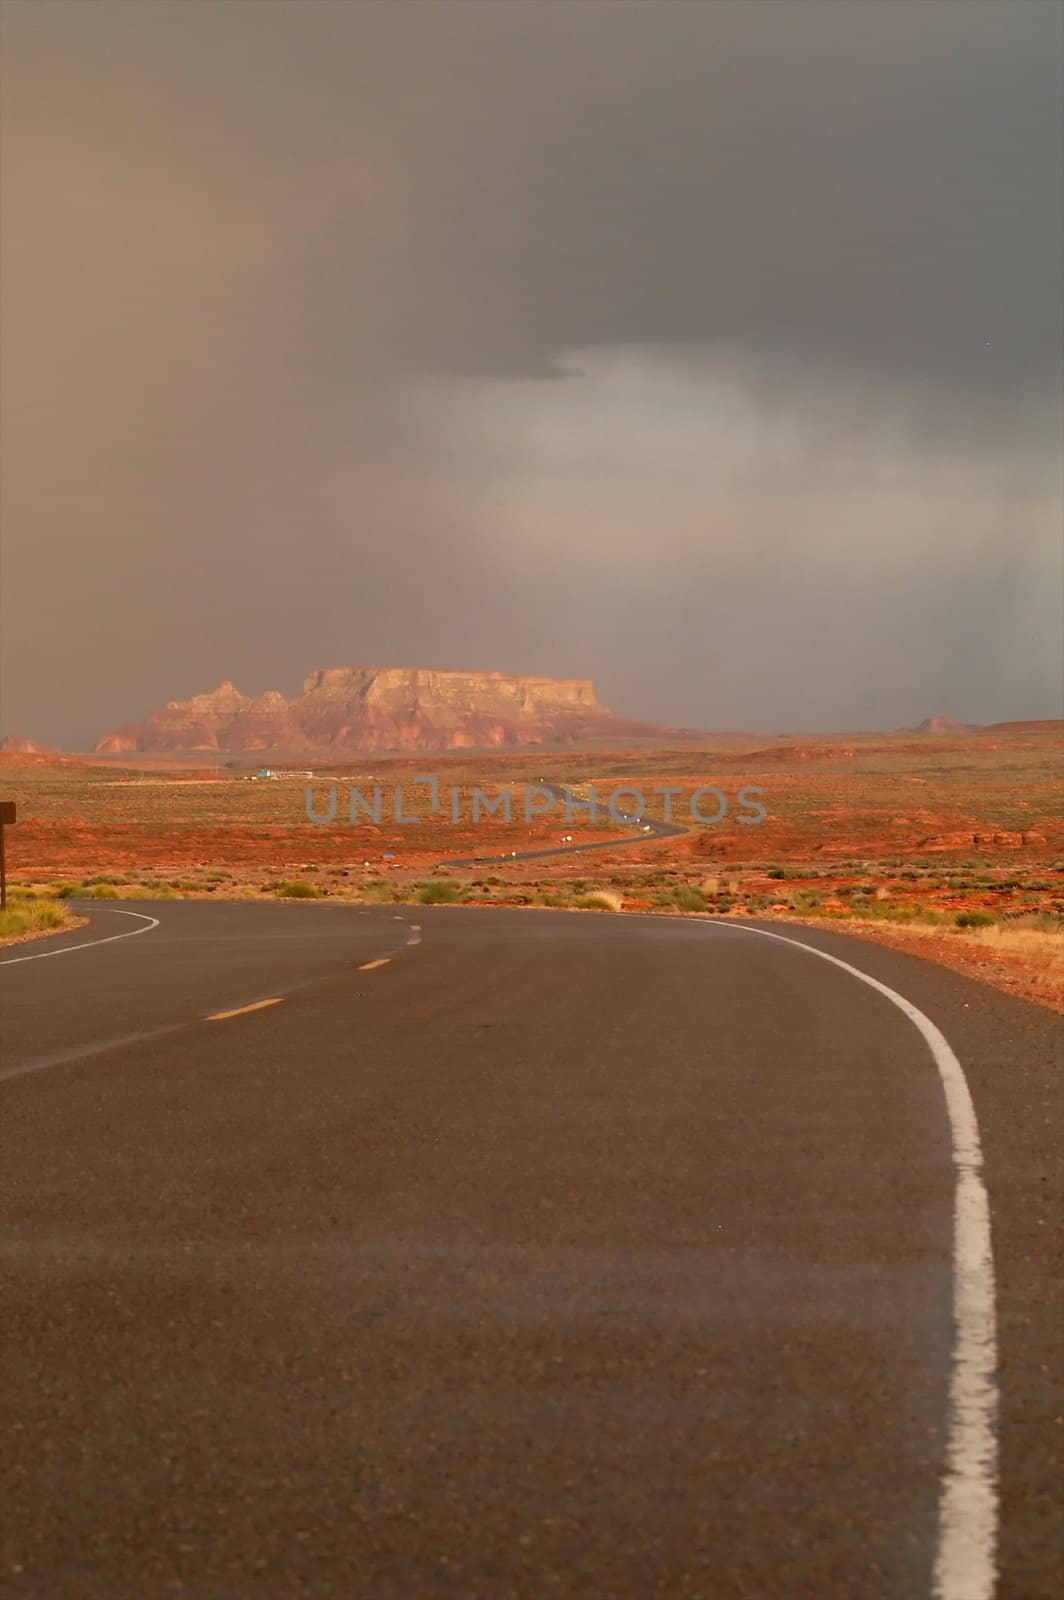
<point>560,1255</point>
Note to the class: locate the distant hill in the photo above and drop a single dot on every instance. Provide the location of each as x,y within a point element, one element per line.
<point>362,709</point>
<point>942,725</point>
<point>15,745</point>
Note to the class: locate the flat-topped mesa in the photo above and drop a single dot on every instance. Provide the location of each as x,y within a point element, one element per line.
<point>384,708</point>
<point>429,684</point>
<point>425,708</point>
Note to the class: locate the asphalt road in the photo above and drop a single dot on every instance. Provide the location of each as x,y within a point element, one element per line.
<point>550,1255</point>
<point>644,830</point>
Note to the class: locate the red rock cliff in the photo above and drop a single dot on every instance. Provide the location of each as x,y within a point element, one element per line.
<point>383,708</point>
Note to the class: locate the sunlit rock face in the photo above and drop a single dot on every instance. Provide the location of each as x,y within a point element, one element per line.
<point>384,708</point>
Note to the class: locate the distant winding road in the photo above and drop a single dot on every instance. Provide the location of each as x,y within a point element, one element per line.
<point>646,830</point>
<point>444,1252</point>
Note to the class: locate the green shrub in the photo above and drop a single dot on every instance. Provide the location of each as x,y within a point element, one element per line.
<point>974,919</point>
<point>688,898</point>
<point>296,889</point>
<point>380,892</point>
<point>722,902</point>
<point>896,913</point>
<point>440,892</point>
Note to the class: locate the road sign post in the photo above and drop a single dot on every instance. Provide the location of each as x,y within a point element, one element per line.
<point>7,814</point>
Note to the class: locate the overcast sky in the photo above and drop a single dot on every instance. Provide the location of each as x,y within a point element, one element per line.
<point>709,350</point>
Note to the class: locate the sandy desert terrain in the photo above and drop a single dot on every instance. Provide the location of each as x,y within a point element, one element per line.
<point>951,846</point>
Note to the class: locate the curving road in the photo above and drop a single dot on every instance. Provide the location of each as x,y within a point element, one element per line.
<point>510,1255</point>
<point>645,830</point>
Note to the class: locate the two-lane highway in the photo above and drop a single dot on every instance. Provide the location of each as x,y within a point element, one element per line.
<point>517,1254</point>
<point>644,832</point>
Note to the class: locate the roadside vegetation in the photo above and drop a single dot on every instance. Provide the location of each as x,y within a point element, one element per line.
<point>954,849</point>
<point>879,892</point>
<point>598,900</point>
<point>28,915</point>
<point>1005,926</point>
<point>442,892</point>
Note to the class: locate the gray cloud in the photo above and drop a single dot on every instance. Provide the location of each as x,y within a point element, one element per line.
<point>709,350</point>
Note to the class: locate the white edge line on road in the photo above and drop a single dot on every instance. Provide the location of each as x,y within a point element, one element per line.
<point>968,1502</point>
<point>89,944</point>
<point>965,1567</point>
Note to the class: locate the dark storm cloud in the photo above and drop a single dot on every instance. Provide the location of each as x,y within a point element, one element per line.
<point>292,292</point>
<point>872,183</point>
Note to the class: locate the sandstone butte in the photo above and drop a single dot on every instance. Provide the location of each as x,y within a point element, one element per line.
<point>385,708</point>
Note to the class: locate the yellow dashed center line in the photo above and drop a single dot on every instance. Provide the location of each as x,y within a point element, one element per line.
<point>256,1005</point>
<point>368,966</point>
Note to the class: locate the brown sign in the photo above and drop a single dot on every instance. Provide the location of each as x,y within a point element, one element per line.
<point>7,811</point>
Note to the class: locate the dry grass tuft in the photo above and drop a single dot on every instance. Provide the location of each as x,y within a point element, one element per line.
<point>1046,944</point>
<point>28,916</point>
<point>598,900</point>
